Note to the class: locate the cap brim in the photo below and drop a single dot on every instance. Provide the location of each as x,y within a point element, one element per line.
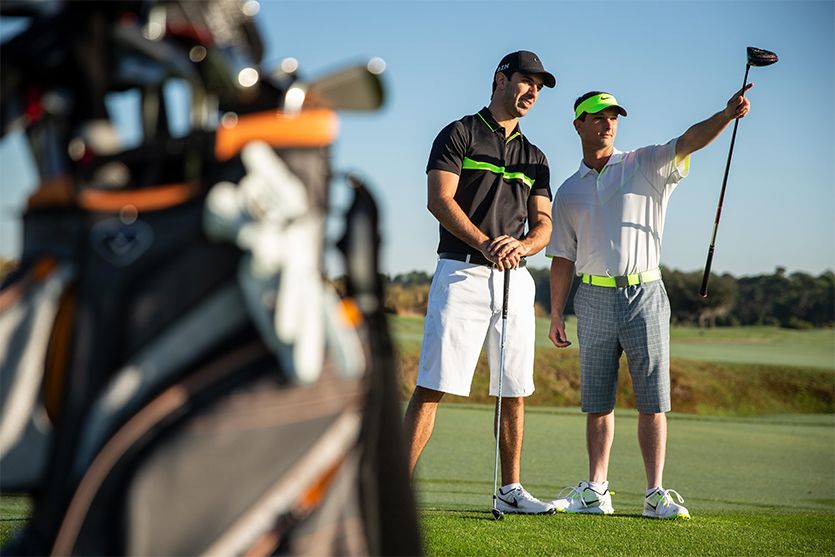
<point>548,80</point>
<point>620,109</point>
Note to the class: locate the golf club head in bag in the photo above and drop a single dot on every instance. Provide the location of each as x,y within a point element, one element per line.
<point>760,57</point>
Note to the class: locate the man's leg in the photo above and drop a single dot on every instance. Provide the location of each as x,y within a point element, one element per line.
<point>646,340</point>
<point>652,437</point>
<point>593,496</point>
<point>419,422</point>
<point>600,432</point>
<point>510,443</point>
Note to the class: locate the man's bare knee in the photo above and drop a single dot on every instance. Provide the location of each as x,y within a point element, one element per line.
<point>427,396</point>
<point>511,402</point>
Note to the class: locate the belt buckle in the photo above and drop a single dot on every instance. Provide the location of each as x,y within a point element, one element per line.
<point>621,282</point>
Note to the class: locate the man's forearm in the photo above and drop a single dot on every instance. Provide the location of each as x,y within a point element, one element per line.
<point>539,221</point>
<point>702,134</point>
<point>562,275</point>
<point>452,218</point>
<point>537,238</point>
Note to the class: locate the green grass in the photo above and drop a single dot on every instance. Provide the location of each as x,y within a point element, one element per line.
<point>740,345</point>
<point>469,533</point>
<point>755,486</point>
<point>14,511</point>
<point>730,371</point>
<point>756,345</point>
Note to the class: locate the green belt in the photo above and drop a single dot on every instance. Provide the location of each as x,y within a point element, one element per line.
<point>624,281</point>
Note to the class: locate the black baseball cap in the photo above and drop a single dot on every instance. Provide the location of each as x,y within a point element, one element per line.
<point>525,61</point>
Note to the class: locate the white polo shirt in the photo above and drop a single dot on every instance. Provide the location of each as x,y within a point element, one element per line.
<point>610,223</point>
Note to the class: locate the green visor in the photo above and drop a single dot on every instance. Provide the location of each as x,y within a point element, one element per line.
<point>595,104</point>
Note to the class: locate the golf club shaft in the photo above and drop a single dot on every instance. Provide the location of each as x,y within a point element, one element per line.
<point>709,262</point>
<point>501,374</point>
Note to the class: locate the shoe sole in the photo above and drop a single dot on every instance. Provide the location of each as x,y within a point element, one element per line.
<point>597,511</point>
<point>549,511</point>
<point>674,517</point>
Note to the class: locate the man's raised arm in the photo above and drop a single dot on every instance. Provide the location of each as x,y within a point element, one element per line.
<point>700,135</point>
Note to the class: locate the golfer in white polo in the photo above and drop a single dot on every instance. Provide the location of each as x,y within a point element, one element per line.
<point>608,220</point>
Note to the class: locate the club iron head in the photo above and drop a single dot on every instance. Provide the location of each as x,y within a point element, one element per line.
<point>497,514</point>
<point>760,57</point>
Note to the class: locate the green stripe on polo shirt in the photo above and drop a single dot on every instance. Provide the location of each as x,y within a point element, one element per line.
<point>470,164</point>
<point>492,129</point>
<point>486,123</point>
<point>685,168</point>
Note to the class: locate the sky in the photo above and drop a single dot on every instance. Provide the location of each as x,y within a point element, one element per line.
<point>671,64</point>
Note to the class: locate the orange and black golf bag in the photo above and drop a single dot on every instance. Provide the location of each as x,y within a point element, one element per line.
<point>178,376</point>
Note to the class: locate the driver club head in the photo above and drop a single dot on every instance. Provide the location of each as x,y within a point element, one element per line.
<point>497,514</point>
<point>760,57</point>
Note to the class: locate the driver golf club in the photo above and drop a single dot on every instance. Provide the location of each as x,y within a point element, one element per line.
<point>756,57</point>
<point>497,514</point>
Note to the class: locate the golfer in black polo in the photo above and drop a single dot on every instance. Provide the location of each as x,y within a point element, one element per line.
<point>489,188</point>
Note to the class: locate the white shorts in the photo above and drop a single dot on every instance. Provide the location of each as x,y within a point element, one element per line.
<point>463,315</point>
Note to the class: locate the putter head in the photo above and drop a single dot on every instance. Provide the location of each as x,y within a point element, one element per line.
<point>497,514</point>
<point>760,57</point>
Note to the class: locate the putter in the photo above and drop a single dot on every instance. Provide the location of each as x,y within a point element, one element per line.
<point>497,514</point>
<point>756,57</point>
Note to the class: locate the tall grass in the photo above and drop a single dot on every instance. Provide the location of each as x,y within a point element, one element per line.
<point>733,371</point>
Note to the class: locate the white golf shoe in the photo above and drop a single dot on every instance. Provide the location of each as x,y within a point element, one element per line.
<point>582,498</point>
<point>517,500</point>
<point>660,504</point>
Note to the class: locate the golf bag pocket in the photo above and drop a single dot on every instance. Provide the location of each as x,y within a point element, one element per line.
<point>29,306</point>
<point>268,215</point>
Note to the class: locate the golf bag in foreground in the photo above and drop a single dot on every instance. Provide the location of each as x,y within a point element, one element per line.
<point>176,376</point>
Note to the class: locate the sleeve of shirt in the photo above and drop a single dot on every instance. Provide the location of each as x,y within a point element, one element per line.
<point>563,236</point>
<point>660,166</point>
<point>542,183</point>
<point>448,149</point>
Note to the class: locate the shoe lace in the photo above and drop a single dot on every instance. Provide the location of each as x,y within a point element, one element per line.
<point>576,492</point>
<point>666,495</point>
<point>572,492</point>
<point>522,493</point>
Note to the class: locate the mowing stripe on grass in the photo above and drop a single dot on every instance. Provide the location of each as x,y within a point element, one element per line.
<point>754,487</point>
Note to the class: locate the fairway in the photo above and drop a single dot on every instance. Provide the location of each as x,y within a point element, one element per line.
<point>740,371</point>
<point>756,345</point>
<point>748,345</point>
<point>755,486</point>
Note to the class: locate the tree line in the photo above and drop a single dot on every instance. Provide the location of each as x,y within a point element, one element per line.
<point>790,300</point>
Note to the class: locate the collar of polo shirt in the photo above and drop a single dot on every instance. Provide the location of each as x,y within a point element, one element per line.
<point>616,158</point>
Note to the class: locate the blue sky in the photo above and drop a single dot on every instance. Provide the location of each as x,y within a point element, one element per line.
<point>670,64</point>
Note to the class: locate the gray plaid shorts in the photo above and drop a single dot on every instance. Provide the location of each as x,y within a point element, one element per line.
<point>611,321</point>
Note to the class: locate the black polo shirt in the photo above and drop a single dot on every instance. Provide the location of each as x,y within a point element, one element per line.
<point>496,176</point>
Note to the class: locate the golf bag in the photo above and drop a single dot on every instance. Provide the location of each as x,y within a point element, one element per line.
<point>177,376</point>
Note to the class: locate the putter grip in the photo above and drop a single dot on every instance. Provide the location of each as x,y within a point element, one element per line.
<point>706,276</point>
<point>506,292</point>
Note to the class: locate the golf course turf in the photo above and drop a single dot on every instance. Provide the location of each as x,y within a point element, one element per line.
<point>753,457</point>
<point>754,486</point>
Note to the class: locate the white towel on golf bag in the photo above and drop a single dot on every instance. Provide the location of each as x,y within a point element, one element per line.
<point>268,215</point>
